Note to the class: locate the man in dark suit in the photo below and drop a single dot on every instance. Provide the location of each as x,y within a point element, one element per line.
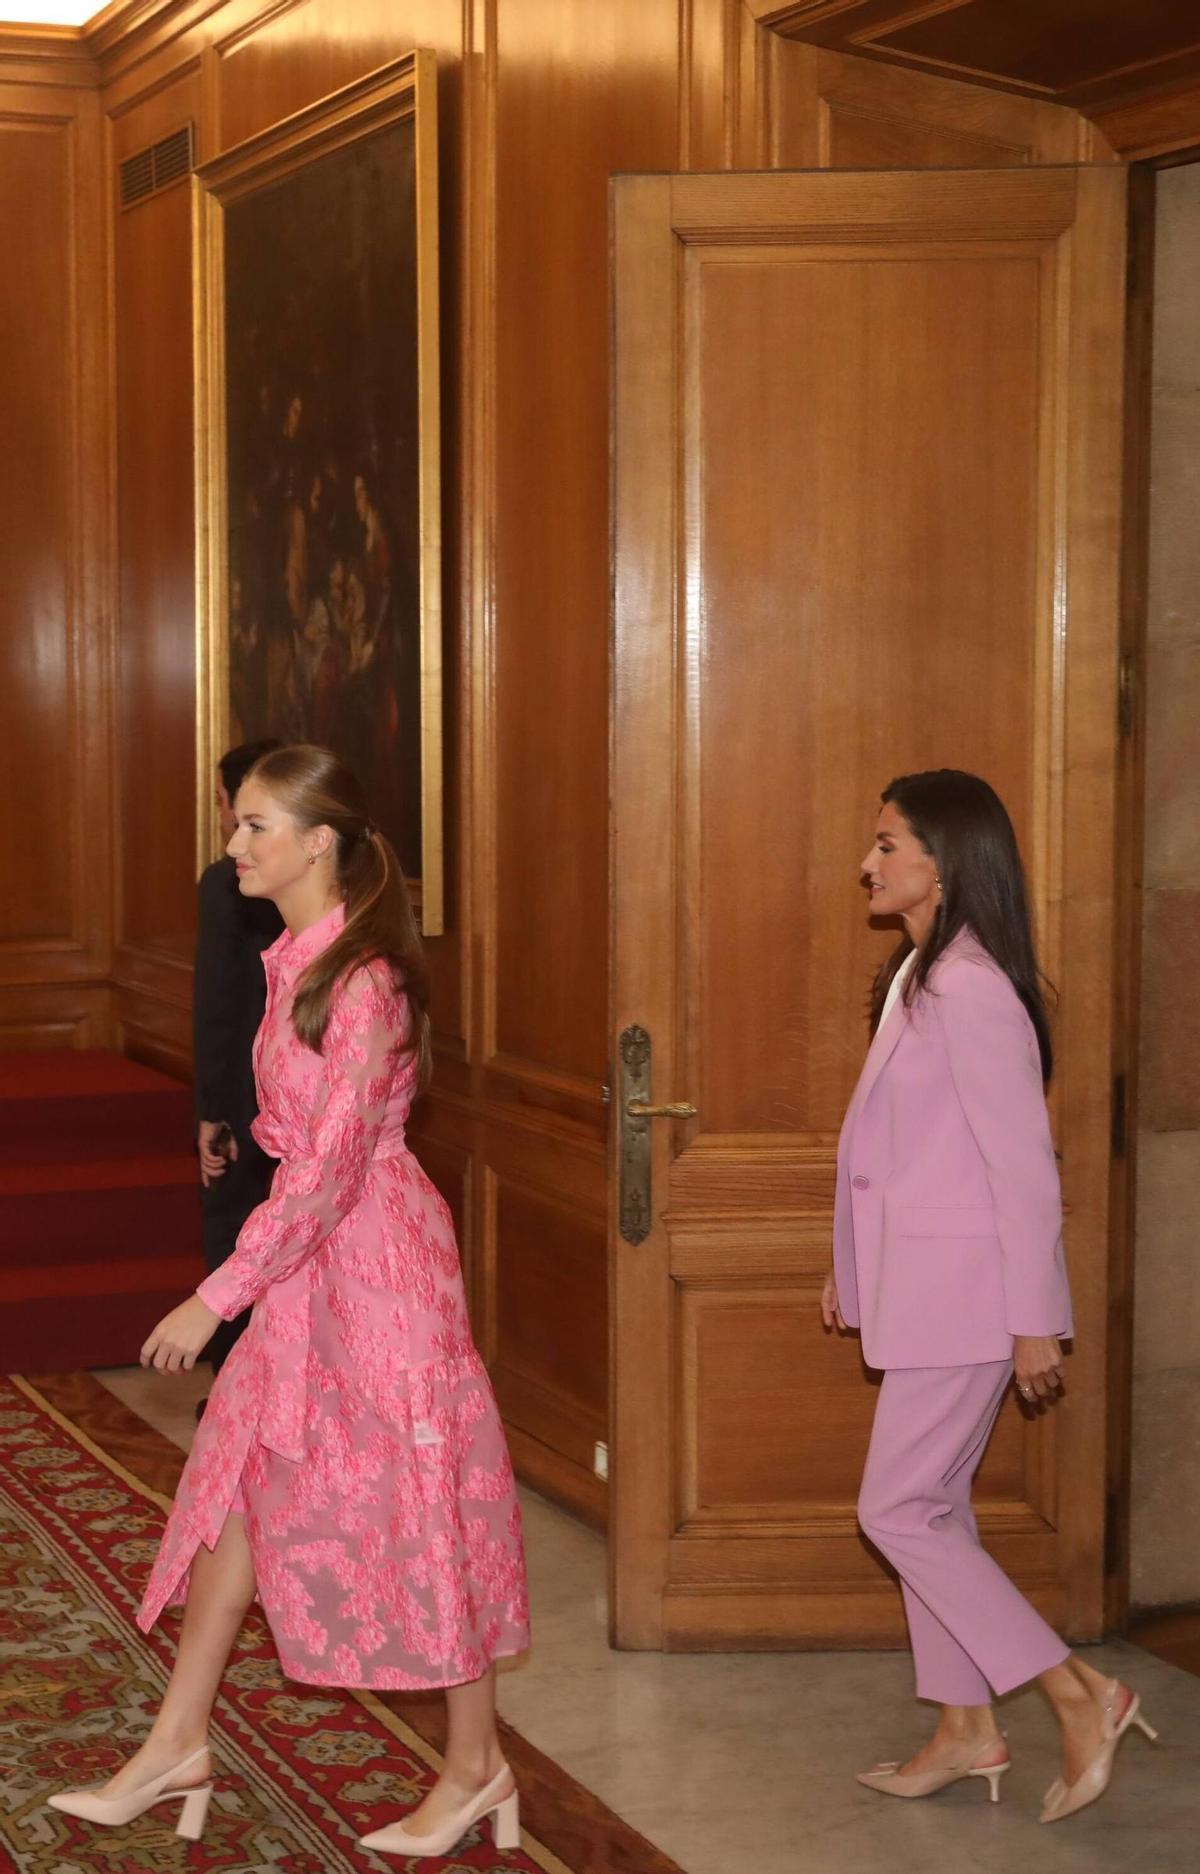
<point>228,1001</point>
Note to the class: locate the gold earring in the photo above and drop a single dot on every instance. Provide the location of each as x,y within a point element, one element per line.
<point>313,857</point>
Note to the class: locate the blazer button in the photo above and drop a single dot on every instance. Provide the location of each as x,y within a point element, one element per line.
<point>860,1183</point>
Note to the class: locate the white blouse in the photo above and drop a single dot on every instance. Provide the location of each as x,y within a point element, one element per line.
<point>895,986</point>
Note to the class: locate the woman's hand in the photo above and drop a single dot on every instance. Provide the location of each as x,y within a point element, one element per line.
<point>831,1313</point>
<point>1037,1367</point>
<point>181,1337</point>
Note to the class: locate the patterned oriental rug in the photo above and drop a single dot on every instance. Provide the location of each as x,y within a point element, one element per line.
<point>301,1771</point>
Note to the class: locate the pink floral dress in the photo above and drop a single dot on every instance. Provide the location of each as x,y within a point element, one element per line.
<point>353,1424</point>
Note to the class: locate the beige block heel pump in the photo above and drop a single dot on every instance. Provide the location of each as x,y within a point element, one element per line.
<point>111,1811</point>
<point>499,1800</point>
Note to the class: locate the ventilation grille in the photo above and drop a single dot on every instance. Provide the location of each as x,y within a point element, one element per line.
<point>157,167</point>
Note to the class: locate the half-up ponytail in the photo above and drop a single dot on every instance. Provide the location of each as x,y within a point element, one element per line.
<point>318,789</point>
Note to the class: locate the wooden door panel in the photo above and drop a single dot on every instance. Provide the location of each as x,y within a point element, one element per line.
<point>752,1459</point>
<point>799,601</point>
<point>867,433</point>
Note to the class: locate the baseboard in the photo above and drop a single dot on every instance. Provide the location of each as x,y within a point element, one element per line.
<point>559,1478</point>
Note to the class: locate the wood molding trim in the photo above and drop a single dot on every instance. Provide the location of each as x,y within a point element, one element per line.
<point>833,24</point>
<point>46,55</point>
<point>129,30</point>
<point>1130,839</point>
<point>477,259</point>
<point>1163,125</point>
<point>725,87</point>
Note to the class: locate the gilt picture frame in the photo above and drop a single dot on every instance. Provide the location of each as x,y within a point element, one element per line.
<point>318,457</point>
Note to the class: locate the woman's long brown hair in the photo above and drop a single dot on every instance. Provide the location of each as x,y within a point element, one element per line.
<point>318,789</point>
<point>964,827</point>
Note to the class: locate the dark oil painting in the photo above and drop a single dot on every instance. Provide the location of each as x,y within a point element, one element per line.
<point>322,412</point>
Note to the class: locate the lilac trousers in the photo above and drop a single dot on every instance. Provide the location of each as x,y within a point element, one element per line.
<point>972,1632</point>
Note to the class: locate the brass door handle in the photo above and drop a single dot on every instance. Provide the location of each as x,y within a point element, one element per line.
<point>635,1144</point>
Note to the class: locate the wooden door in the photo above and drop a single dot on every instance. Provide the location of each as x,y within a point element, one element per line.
<point>867,431</point>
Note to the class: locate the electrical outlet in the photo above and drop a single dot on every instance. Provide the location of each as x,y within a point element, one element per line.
<point>600,1461</point>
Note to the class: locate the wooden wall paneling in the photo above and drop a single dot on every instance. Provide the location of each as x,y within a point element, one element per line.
<point>55,1015</point>
<point>794,113</point>
<point>1130,826</point>
<point>273,60</point>
<point>36,524</point>
<point>597,94</point>
<point>1087,1042</point>
<point>725,95</point>
<point>151,1029</point>
<point>152,1001</point>
<point>550,1364</point>
<point>55,925</point>
<point>600,92</point>
<point>475,250</point>
<point>545,1326</point>
<point>707,41</point>
<point>155,506</point>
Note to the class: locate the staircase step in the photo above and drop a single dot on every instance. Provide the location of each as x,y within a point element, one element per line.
<point>80,1175</point>
<point>119,1224</point>
<point>66,1104</point>
<point>100,1231</point>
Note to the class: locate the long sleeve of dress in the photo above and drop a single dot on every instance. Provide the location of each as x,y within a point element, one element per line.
<point>315,1190</point>
<point>997,1075</point>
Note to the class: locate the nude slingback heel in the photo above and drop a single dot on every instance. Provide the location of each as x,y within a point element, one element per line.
<point>110,1811</point>
<point>887,1778</point>
<point>506,1822</point>
<point>500,1802</point>
<point>1061,1801</point>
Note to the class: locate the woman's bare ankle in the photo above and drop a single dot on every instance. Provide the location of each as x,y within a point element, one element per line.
<point>176,1741</point>
<point>475,1769</point>
<point>963,1724</point>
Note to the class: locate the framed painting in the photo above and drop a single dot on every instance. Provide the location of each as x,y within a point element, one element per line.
<point>318,453</point>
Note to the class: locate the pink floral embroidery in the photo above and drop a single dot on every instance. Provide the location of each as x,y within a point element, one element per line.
<point>355,1412</point>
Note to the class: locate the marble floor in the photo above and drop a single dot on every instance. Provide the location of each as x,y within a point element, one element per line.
<point>741,1763</point>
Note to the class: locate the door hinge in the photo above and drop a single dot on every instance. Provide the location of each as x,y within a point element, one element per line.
<point>1119,1140</point>
<point>1126,694</point>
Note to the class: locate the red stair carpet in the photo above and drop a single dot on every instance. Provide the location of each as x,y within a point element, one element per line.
<point>99,1212</point>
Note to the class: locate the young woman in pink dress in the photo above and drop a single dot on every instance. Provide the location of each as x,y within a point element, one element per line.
<point>948,1257</point>
<point>350,1468</point>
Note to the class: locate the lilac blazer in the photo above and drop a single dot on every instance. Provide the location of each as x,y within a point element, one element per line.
<point>947,1231</point>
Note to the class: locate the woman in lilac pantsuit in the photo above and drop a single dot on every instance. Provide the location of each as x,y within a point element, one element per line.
<point>948,1258</point>
<point>351,1468</point>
